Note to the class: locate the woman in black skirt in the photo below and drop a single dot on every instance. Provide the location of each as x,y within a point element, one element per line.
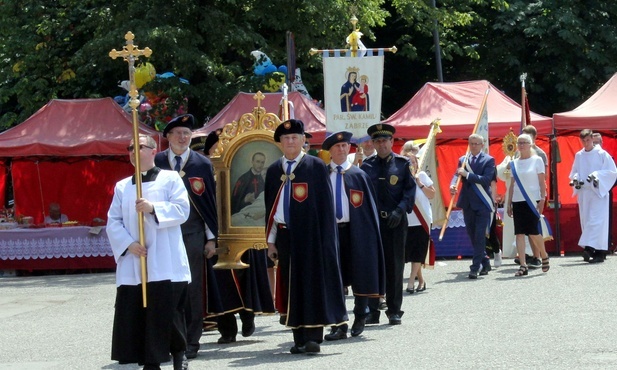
<point>528,171</point>
<point>418,238</point>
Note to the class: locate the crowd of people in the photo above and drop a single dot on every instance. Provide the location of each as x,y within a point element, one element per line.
<point>353,222</point>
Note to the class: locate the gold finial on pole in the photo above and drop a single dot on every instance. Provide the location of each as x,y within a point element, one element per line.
<point>130,53</point>
<point>354,37</point>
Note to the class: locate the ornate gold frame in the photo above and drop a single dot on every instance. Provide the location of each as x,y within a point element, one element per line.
<point>256,126</point>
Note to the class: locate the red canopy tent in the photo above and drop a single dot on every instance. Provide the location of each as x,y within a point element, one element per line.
<point>598,113</point>
<point>457,104</point>
<point>305,110</point>
<point>71,152</point>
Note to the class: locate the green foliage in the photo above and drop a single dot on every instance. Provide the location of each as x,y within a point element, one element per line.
<point>59,48</point>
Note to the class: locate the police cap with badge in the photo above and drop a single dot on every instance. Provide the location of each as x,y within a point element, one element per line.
<point>381,130</point>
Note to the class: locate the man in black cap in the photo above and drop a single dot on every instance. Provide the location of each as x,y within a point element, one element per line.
<point>200,231</point>
<point>361,252</point>
<point>301,233</point>
<point>396,189</point>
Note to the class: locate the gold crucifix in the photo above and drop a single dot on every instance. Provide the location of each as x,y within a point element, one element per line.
<point>129,53</point>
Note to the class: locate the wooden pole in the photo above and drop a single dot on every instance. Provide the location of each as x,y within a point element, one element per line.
<point>458,180</point>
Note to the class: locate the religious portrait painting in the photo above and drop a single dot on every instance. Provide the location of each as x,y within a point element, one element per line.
<point>247,175</point>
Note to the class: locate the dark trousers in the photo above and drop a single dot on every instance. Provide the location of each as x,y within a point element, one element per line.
<point>393,241</point>
<point>194,310</point>
<point>476,224</point>
<point>345,252</point>
<point>228,326</point>
<point>303,335</point>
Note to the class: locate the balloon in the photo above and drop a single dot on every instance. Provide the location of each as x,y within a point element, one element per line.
<point>144,73</point>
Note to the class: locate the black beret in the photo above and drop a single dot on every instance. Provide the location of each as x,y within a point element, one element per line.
<point>213,138</point>
<point>292,126</point>
<point>380,130</point>
<point>185,120</point>
<point>335,138</point>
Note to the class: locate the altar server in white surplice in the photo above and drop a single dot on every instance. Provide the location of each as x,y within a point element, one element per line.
<point>149,335</point>
<point>592,177</point>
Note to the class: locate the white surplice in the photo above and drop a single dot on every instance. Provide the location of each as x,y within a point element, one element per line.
<point>593,201</point>
<point>166,258</point>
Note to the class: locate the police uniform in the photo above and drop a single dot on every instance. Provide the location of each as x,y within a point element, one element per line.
<point>395,189</point>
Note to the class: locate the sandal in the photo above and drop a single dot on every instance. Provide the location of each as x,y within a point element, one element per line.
<point>522,271</point>
<point>545,265</point>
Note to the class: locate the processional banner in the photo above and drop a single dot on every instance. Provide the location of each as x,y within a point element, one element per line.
<point>352,93</point>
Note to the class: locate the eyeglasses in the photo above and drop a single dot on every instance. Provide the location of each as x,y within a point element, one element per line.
<point>476,144</point>
<point>130,148</point>
<point>522,143</point>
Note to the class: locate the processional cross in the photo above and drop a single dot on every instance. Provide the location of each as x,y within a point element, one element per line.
<point>130,53</point>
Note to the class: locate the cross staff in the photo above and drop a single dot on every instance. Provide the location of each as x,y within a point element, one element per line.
<point>129,53</point>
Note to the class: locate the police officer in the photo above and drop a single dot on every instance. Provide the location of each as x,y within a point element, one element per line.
<point>395,189</point>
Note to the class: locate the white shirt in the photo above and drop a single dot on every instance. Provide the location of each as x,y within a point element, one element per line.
<point>344,200</point>
<point>422,202</point>
<point>527,171</point>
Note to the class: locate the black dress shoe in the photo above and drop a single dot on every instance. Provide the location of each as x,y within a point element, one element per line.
<point>485,270</point>
<point>248,329</point>
<point>295,350</point>
<point>311,347</point>
<point>226,340</point>
<point>190,354</point>
<point>473,274</point>
<point>372,318</point>
<point>283,320</point>
<point>410,290</point>
<point>421,289</point>
<point>337,333</point>
<point>358,326</point>
<point>395,319</point>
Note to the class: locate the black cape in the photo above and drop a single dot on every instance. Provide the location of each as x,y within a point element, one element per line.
<point>315,291</point>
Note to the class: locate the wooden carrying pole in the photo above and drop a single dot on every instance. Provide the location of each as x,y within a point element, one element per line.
<point>458,180</point>
<point>129,53</point>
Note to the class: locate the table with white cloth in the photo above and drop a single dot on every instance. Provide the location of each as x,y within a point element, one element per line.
<point>73,247</point>
<point>455,241</point>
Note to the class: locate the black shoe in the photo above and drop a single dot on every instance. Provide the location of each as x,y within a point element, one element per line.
<point>395,319</point>
<point>534,263</point>
<point>152,367</point>
<point>485,270</point>
<point>248,329</point>
<point>311,347</point>
<point>597,257</point>
<point>372,318</point>
<point>180,361</point>
<point>358,326</point>
<point>283,320</point>
<point>586,254</point>
<point>421,289</point>
<point>528,259</point>
<point>473,274</point>
<point>410,290</point>
<point>296,350</point>
<point>337,333</point>
<point>190,354</point>
<point>226,340</point>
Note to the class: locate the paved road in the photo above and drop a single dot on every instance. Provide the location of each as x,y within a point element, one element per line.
<point>564,319</point>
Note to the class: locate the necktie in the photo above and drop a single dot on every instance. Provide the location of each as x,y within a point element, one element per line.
<point>473,160</point>
<point>339,201</point>
<point>178,163</point>
<point>286,192</point>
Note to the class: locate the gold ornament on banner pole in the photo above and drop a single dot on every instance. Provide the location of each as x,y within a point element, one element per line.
<point>130,53</point>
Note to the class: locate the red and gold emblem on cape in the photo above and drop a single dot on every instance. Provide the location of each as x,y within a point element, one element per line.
<point>300,191</point>
<point>356,198</point>
<point>197,185</point>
